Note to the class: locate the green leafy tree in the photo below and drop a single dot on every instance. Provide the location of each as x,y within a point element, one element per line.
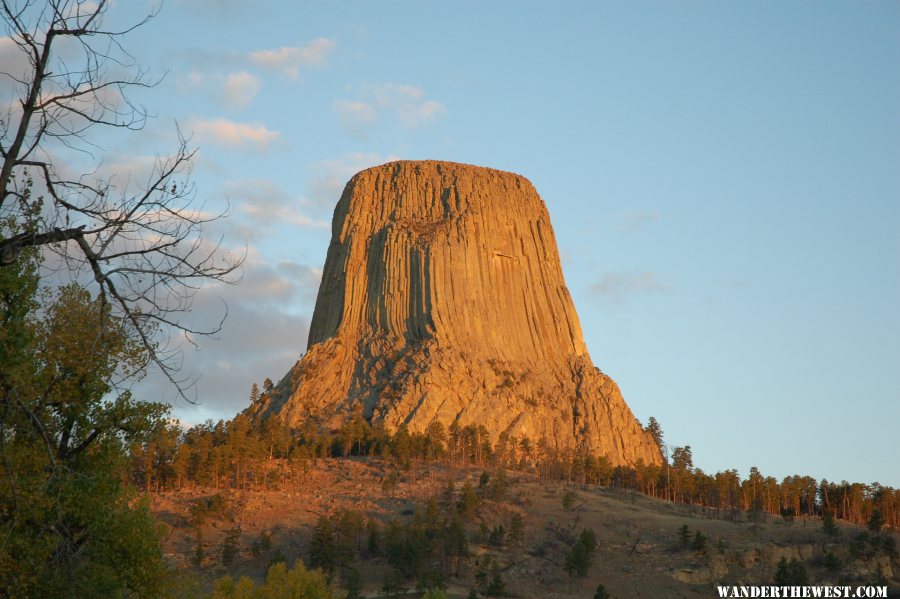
<point>281,583</point>
<point>601,592</point>
<point>71,526</point>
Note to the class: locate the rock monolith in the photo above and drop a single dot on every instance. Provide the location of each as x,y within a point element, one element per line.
<point>442,299</point>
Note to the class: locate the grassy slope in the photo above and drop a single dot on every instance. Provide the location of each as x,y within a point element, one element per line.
<point>639,552</point>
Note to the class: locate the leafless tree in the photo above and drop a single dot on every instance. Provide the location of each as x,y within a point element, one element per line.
<point>140,243</point>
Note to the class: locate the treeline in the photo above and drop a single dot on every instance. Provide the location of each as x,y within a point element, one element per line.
<point>244,454</point>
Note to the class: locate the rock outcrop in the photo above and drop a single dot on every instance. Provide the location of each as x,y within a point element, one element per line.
<point>442,299</point>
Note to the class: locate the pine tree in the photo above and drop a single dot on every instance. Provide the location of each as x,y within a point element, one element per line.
<point>580,558</point>
<point>828,524</point>
<point>322,550</point>
<point>655,431</point>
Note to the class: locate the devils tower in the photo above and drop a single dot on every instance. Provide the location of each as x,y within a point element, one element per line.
<point>442,299</point>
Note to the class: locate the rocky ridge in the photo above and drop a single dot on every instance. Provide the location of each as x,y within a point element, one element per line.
<point>442,299</point>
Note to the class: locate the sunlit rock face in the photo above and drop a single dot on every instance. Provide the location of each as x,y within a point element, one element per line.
<point>442,299</point>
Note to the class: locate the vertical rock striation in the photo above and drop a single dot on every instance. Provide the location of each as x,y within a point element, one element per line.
<point>442,299</point>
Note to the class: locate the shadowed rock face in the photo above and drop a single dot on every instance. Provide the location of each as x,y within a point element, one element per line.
<point>442,299</point>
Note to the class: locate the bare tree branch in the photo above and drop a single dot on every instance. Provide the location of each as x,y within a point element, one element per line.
<point>141,243</point>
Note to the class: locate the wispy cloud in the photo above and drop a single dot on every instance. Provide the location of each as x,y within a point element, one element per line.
<point>419,115</point>
<point>330,176</point>
<point>267,204</point>
<point>355,116</point>
<point>618,287</point>
<point>13,61</point>
<point>289,60</point>
<point>637,221</point>
<point>239,89</point>
<point>232,79</point>
<point>406,103</point>
<point>264,334</point>
<point>234,135</point>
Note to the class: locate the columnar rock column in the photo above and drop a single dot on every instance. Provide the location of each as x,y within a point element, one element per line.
<point>442,299</point>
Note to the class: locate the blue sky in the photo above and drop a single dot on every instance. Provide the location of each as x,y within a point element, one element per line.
<point>723,179</point>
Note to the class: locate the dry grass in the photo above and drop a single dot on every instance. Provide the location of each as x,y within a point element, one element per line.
<point>639,552</point>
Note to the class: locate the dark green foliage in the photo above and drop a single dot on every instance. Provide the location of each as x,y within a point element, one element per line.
<point>230,546</point>
<point>348,533</point>
<point>467,503</point>
<point>484,479</point>
<point>374,540</point>
<point>889,546</point>
<point>828,524</point>
<point>831,562</point>
<point>876,521</point>
<point>199,554</point>
<point>353,583</point>
<point>755,513</point>
<point>860,546</point>
<point>601,592</point>
<point>496,536</point>
<point>489,578</point>
<point>581,556</point>
<point>496,586</point>
<point>322,550</point>
<point>498,486</point>
<point>393,585</point>
<point>656,432</point>
<point>473,594</point>
<point>447,494</point>
<point>684,535</point>
<point>568,500</point>
<point>791,573</point>
<point>880,578</point>
<point>71,526</point>
<point>482,567</point>
<point>390,482</point>
<point>277,558</point>
<point>204,508</point>
<point>516,529</point>
<point>262,544</point>
<point>787,513</point>
<point>427,548</point>
<point>698,543</point>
